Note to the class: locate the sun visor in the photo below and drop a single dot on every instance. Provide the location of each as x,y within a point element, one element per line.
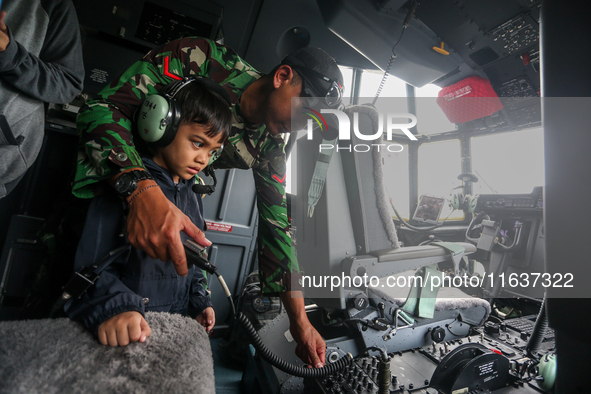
<point>471,98</point>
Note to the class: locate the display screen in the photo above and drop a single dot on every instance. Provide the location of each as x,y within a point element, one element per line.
<point>429,209</point>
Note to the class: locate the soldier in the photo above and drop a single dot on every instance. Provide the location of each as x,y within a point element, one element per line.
<point>261,113</point>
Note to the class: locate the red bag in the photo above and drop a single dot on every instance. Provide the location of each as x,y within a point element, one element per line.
<point>469,99</point>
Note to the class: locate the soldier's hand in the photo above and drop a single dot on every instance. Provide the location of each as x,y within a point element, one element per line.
<point>154,225</point>
<point>310,348</point>
<point>4,40</point>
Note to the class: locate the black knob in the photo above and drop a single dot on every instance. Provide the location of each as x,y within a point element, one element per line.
<point>359,302</point>
<point>491,328</point>
<point>438,334</point>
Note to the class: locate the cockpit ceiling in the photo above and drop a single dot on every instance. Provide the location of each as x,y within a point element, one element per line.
<point>496,39</point>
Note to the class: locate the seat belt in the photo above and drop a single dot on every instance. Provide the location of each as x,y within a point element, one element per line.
<point>421,299</point>
<point>319,178</point>
<point>86,277</point>
<point>457,252</point>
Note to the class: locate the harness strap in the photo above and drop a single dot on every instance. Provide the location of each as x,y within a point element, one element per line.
<point>457,252</point>
<point>421,299</point>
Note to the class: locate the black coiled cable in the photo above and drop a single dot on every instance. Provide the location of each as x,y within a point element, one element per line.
<point>386,72</point>
<point>407,19</point>
<point>537,335</point>
<point>254,336</point>
<point>267,355</point>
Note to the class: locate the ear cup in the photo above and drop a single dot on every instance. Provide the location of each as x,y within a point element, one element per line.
<point>172,125</point>
<point>158,119</point>
<point>159,116</point>
<point>456,200</point>
<point>153,118</point>
<point>216,155</point>
<point>471,202</point>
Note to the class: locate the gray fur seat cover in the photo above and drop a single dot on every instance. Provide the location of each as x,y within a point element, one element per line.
<point>448,298</point>
<point>61,356</point>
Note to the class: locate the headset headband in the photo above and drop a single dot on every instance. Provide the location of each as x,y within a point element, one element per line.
<point>205,83</point>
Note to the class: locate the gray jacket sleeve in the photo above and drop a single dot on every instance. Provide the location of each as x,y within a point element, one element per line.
<point>57,74</point>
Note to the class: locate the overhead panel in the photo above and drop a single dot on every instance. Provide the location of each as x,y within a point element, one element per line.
<point>372,31</point>
<point>285,26</point>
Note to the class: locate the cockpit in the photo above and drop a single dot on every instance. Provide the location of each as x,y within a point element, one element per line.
<point>434,203</point>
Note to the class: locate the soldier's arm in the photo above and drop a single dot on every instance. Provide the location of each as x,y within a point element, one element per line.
<point>280,272</point>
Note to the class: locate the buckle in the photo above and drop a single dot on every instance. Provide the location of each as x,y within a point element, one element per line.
<point>80,282</point>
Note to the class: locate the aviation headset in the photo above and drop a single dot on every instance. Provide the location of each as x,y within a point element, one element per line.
<point>466,203</point>
<point>159,116</point>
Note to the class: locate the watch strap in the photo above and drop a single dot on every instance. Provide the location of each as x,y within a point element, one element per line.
<point>134,176</point>
<point>141,175</point>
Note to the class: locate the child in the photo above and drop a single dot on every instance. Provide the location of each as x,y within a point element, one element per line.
<point>113,308</point>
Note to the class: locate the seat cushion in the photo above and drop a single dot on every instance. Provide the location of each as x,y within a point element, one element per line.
<point>61,356</point>
<point>449,299</point>
<point>415,252</point>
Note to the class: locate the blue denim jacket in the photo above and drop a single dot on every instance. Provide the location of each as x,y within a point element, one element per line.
<point>135,281</point>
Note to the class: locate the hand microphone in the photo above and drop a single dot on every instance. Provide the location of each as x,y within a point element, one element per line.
<point>203,189</point>
<point>411,12</point>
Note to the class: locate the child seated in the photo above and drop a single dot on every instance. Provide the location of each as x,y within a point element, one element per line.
<point>113,308</point>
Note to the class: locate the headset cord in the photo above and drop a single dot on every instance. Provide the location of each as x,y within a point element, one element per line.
<point>263,350</point>
<point>387,71</point>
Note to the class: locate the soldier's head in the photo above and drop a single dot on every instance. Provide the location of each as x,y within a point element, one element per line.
<point>309,74</point>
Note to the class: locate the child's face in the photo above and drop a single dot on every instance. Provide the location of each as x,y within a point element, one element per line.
<point>189,152</point>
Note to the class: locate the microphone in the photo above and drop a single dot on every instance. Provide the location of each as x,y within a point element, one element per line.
<point>203,189</point>
<point>206,189</point>
<point>411,12</point>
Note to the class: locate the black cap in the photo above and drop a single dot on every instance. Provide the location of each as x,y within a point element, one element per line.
<point>318,60</point>
<point>323,67</point>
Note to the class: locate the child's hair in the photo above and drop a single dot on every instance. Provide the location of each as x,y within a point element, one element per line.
<point>200,104</point>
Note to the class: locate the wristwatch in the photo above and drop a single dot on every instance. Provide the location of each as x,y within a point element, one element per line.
<point>127,183</point>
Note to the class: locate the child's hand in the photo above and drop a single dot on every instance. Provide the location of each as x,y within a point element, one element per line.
<point>124,328</point>
<point>207,319</point>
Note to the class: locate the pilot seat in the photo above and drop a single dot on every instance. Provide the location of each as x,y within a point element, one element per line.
<point>350,235</point>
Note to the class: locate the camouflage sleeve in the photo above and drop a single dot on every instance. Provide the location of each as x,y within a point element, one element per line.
<point>105,124</point>
<point>278,266</point>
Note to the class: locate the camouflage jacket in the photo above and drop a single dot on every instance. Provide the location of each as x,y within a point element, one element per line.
<point>107,142</point>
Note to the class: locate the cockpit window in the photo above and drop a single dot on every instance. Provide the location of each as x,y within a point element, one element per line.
<point>370,82</point>
<point>508,162</point>
<point>396,180</point>
<point>439,166</point>
<point>348,79</point>
<point>431,119</point>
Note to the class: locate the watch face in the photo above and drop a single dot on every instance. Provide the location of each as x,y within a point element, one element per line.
<point>123,183</point>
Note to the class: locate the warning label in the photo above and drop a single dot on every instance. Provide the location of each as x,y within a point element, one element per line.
<point>487,369</point>
<point>224,228</point>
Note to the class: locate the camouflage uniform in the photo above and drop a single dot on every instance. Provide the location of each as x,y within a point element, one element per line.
<point>107,144</point>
